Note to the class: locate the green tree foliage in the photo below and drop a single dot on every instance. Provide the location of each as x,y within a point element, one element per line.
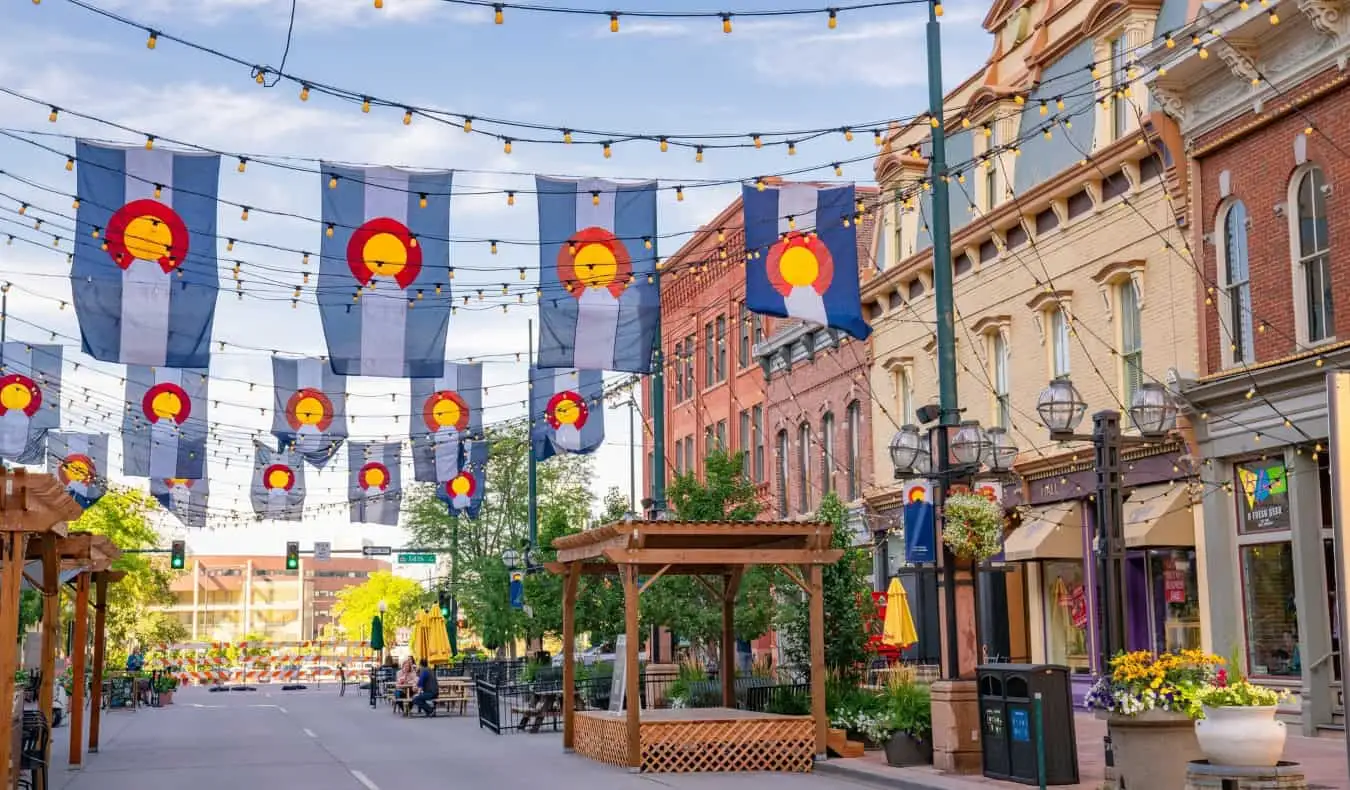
<point>30,610</point>
<point>847,591</point>
<point>357,606</point>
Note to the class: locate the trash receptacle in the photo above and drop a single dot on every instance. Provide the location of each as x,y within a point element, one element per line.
<point>1008,732</point>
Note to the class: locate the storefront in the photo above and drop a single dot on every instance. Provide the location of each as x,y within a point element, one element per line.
<point>1054,543</point>
<point>1268,549</point>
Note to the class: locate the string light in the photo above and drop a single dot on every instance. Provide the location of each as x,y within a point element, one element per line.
<point>608,150</point>
<point>304,92</point>
<point>510,197</point>
<point>567,136</point>
<point>698,154</point>
<point>792,148</point>
<point>52,116</point>
<point>613,23</point>
<point>834,19</point>
<point>407,117</point>
<point>665,145</point>
<point>243,164</point>
<point>726,23</point>
<point>468,124</point>
<point>152,40</point>
<point>365,104</point>
<point>422,200</point>
<point>497,16</point>
<point>506,145</point>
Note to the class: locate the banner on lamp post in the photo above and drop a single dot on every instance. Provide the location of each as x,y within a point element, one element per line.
<point>920,523</point>
<point>994,490</point>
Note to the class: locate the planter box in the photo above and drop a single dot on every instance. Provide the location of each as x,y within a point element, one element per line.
<point>1152,749</point>
<point>1248,737</point>
<point>904,750</point>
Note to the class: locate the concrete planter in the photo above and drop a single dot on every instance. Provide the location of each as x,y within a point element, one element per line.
<point>1241,736</point>
<point>1152,749</point>
<point>903,749</point>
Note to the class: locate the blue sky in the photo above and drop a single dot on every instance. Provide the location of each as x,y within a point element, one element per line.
<point>654,77</point>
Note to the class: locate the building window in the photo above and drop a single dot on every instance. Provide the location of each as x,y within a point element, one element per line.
<point>898,231</point>
<point>1272,624</point>
<point>827,453</point>
<point>853,415</point>
<point>804,467</point>
<point>1059,342</point>
<point>709,441</point>
<point>721,435</point>
<point>998,354</point>
<point>709,363</point>
<point>1237,287</point>
<point>904,396</point>
<point>743,330</point>
<point>1314,256</point>
<point>1131,340</point>
<point>679,457</point>
<point>991,186</point>
<point>1121,108</point>
<point>721,349</point>
<point>1066,615</point>
<point>679,371</point>
<point>757,442</point>
<point>783,474</point>
<point>689,387</point>
<point>743,436</point>
<point>757,328</point>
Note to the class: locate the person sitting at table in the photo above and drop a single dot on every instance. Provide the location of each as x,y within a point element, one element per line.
<point>407,675</point>
<point>428,690</point>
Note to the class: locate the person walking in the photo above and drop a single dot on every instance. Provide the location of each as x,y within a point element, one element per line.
<point>428,690</point>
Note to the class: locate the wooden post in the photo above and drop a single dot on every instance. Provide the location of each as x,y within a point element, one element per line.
<point>817,615</point>
<point>100,639</point>
<point>569,648</point>
<point>11,580</point>
<point>730,586</point>
<point>51,625</point>
<point>77,669</point>
<point>632,691</point>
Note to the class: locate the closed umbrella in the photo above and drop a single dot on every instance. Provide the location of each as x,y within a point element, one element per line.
<point>438,640</point>
<point>899,627</point>
<point>377,635</point>
<point>418,641</point>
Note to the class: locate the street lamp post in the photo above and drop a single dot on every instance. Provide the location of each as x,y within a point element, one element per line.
<point>1154,414</point>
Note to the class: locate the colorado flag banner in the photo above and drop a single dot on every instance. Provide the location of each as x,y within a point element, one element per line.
<point>144,277</point>
<point>309,411</point>
<point>597,308</point>
<point>374,482</point>
<point>80,462</point>
<point>567,411</point>
<point>463,494</point>
<point>164,427</point>
<point>384,290</point>
<point>184,498</point>
<point>30,399</point>
<point>805,255</point>
<point>446,412</point>
<point>278,488</point>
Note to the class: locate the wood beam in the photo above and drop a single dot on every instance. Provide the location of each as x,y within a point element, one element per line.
<point>11,581</point>
<point>795,577</point>
<point>78,669</point>
<point>569,648</point>
<point>653,578</point>
<point>731,584</point>
<point>631,690</point>
<point>51,626</point>
<point>817,629</point>
<point>707,585</point>
<point>725,557</point>
<point>593,550</point>
<point>100,651</point>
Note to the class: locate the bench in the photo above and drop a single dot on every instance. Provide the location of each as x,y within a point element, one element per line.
<point>450,698</point>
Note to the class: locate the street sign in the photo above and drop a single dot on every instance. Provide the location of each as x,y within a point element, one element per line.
<point>517,590</point>
<point>376,551</point>
<point>417,559</point>
<point>323,551</point>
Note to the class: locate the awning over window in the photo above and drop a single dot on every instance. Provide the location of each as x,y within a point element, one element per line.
<point>1049,532</point>
<point>1159,516</point>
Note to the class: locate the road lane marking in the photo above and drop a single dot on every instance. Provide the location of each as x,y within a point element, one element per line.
<point>365,780</point>
<point>310,733</point>
<point>283,710</point>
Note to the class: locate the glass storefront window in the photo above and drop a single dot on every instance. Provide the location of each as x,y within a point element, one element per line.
<point>1176,599</point>
<point>1066,614</point>
<point>1272,617</point>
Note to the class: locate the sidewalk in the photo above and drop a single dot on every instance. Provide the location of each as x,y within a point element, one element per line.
<point>1323,760</point>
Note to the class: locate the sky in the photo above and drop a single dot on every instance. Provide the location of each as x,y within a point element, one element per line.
<point>654,77</point>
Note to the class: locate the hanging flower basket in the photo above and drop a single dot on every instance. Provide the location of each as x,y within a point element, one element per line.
<point>973,525</point>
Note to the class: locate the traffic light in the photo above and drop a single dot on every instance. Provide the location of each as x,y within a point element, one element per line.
<point>443,598</point>
<point>292,555</point>
<point>177,556</point>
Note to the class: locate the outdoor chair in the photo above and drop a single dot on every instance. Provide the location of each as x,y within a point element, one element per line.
<point>33,752</point>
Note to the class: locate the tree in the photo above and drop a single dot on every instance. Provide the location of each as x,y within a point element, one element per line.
<point>599,609</point>
<point>357,606</point>
<point>847,589</point>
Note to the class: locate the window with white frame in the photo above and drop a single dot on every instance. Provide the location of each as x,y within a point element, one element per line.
<point>853,416</point>
<point>827,452</point>
<point>991,186</point>
<point>784,476</point>
<point>904,395</point>
<point>804,467</point>
<point>999,364</point>
<point>1121,108</point>
<point>1131,340</point>
<point>1313,256</point>
<point>1059,342</point>
<point>1235,317</point>
<point>757,442</point>
<point>897,252</point>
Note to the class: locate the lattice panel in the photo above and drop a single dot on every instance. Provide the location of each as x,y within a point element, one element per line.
<point>601,739</point>
<point>779,744</point>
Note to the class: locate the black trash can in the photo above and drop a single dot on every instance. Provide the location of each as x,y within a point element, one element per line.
<point>1008,722</point>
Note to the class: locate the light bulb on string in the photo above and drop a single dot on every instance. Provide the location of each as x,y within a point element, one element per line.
<point>497,16</point>
<point>607,149</point>
<point>243,164</point>
<point>613,23</point>
<point>833,21</point>
<point>510,197</point>
<point>152,40</point>
<point>53,115</point>
<point>567,136</point>
<point>468,124</point>
<point>70,164</point>
<point>407,117</point>
<point>506,145</point>
<point>365,104</point>
<point>726,23</point>
<point>698,154</point>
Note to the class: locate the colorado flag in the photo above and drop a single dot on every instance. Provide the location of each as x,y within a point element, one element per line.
<point>144,277</point>
<point>164,426</point>
<point>278,487</point>
<point>567,411</point>
<point>446,413</point>
<point>597,308</point>
<point>374,482</point>
<point>804,252</point>
<point>30,399</point>
<point>80,462</point>
<point>309,410</point>
<point>463,493</point>
<point>184,498</point>
<point>384,290</point>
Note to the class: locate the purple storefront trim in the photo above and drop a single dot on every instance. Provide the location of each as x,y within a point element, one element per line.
<point>1080,685</point>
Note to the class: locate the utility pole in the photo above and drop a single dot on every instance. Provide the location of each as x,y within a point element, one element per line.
<point>657,381</point>
<point>532,490</point>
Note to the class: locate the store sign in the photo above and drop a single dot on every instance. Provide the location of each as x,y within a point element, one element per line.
<point>1174,582</point>
<point>1263,496</point>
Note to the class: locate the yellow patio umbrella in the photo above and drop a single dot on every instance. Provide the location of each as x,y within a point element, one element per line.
<point>417,642</point>
<point>437,638</point>
<point>899,626</point>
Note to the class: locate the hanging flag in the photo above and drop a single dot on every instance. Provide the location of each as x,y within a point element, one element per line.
<point>567,411</point>
<point>598,307</point>
<point>804,250</point>
<point>278,487</point>
<point>30,399</point>
<point>446,412</point>
<point>384,278</point>
<point>144,278</point>
<point>184,498</point>
<point>164,427</point>
<point>463,493</point>
<point>80,462</point>
<point>309,409</point>
<point>920,528</point>
<point>374,482</point>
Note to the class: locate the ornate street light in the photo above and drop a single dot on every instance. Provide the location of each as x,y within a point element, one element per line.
<point>510,558</point>
<point>969,444</point>
<point>1060,407</point>
<point>1002,452</point>
<point>906,448</point>
<point>1153,411</point>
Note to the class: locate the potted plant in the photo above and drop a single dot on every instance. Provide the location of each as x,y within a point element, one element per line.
<point>973,525</point>
<point>165,686</point>
<point>910,720</point>
<point>1239,725</point>
<point>1149,702</point>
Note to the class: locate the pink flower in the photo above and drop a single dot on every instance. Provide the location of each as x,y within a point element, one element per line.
<point>1221,679</point>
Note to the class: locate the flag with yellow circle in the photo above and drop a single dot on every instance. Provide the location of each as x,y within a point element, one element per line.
<point>567,411</point>
<point>374,481</point>
<point>463,493</point>
<point>447,412</point>
<point>80,462</point>
<point>309,407</point>
<point>185,499</point>
<point>278,488</point>
<point>30,399</point>
<point>164,424</point>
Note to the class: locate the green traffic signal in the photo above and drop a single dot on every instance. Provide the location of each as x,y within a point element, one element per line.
<point>176,558</point>
<point>292,555</point>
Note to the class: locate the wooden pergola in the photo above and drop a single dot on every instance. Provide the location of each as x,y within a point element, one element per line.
<point>705,551</point>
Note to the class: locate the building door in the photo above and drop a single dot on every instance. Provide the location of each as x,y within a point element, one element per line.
<point>1333,609</point>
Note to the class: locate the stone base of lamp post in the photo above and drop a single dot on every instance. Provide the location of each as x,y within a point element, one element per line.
<point>956,727</point>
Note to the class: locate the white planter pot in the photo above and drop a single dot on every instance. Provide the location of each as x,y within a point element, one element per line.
<point>1241,736</point>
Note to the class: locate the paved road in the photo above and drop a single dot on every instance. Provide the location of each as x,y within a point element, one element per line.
<point>314,740</point>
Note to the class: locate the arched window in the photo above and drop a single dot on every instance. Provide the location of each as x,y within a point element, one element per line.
<point>853,416</point>
<point>1313,256</point>
<point>784,476</point>
<point>827,453</point>
<point>1236,312</point>
<point>804,467</point>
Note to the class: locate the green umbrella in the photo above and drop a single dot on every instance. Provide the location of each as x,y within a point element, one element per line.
<point>452,627</point>
<point>377,634</point>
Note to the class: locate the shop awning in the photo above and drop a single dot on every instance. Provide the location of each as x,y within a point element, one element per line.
<point>1049,532</point>
<point>1159,516</point>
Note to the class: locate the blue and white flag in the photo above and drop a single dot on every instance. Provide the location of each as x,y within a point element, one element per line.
<point>567,411</point>
<point>446,412</point>
<point>278,487</point>
<point>804,250</point>
<point>309,411</point>
<point>80,462</point>
<point>184,498</point>
<point>374,482</point>
<point>463,493</point>
<point>384,278</point>
<point>30,399</point>
<point>598,306</point>
<point>144,278</point>
<point>164,426</point>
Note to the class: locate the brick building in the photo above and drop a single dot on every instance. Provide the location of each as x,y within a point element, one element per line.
<point>1261,124</point>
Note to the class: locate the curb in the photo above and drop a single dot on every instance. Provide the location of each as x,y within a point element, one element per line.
<point>840,769</point>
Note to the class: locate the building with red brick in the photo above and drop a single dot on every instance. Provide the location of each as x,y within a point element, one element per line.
<point>1262,123</point>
